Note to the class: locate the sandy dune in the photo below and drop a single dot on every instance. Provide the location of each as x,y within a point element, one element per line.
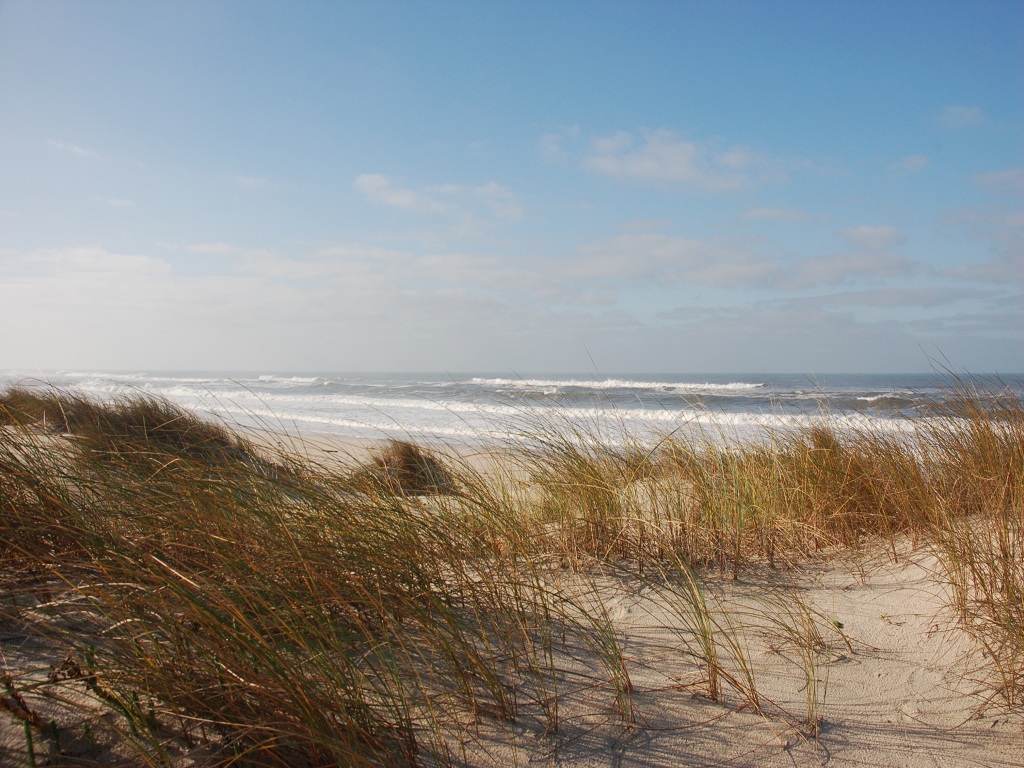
<point>907,694</point>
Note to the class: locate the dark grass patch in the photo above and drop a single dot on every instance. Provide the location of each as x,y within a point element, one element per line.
<point>410,470</point>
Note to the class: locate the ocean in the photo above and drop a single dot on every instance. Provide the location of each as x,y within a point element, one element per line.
<point>484,407</point>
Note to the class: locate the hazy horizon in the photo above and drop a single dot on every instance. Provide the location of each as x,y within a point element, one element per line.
<point>592,376</point>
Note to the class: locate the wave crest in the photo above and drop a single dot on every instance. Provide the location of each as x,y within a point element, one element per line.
<point>663,386</point>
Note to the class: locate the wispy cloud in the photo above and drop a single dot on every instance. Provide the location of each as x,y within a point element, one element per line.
<point>1003,231</point>
<point>874,238</point>
<point>840,268</point>
<point>243,253</point>
<point>376,298</point>
<point>501,201</point>
<point>112,202</point>
<point>961,116</point>
<point>926,296</point>
<point>381,190</point>
<point>72,149</point>
<point>1006,182</point>
<point>781,213</point>
<point>216,249</point>
<point>972,326</point>
<point>663,156</point>
<point>910,164</point>
<point>552,145</point>
<point>89,259</point>
<point>495,198</point>
<point>720,262</point>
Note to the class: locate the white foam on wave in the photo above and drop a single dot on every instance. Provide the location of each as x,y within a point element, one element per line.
<point>269,377</point>
<point>407,407</point>
<point>412,410</point>
<point>583,424</point>
<point>557,384</point>
<point>374,425</point>
<point>289,403</point>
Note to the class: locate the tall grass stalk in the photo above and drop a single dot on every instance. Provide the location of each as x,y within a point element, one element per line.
<point>801,629</point>
<point>977,439</point>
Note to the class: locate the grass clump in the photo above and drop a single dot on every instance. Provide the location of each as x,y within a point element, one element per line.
<point>310,615</point>
<point>408,469</point>
<point>24,406</point>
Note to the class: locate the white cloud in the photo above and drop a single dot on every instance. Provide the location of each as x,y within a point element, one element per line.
<point>212,248</point>
<point>928,296</point>
<point>662,156</point>
<point>779,213</point>
<point>381,190</point>
<point>112,202</point>
<point>551,147</point>
<point>358,306</point>
<point>94,260</point>
<point>911,164</point>
<point>99,259</point>
<point>843,267</point>
<point>1003,232</point>
<point>974,327</point>
<point>654,258</point>
<point>672,259</point>
<point>615,144</point>
<point>961,116</point>
<point>874,238</point>
<point>339,267</point>
<point>72,149</point>
<point>92,307</point>
<point>222,249</point>
<point>738,158</point>
<point>795,335</point>
<point>500,200</point>
<point>1006,182</point>
<point>497,200</point>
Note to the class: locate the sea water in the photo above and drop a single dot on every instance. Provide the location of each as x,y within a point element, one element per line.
<point>471,407</point>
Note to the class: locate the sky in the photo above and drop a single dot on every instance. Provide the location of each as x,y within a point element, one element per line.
<point>753,186</point>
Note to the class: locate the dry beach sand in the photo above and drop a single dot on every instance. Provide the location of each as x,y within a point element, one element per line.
<point>905,695</point>
<point>877,674</point>
<point>895,688</point>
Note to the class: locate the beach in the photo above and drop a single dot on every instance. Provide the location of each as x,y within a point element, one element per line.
<point>811,599</point>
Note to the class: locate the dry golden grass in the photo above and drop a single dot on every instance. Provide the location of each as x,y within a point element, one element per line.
<point>193,594</point>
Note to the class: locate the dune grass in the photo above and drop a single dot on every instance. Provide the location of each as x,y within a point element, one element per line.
<point>195,594</point>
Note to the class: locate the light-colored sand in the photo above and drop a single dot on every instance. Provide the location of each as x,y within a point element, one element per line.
<point>907,695</point>
<point>898,683</point>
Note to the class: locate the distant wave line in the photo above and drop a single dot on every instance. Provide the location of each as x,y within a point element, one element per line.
<point>614,384</point>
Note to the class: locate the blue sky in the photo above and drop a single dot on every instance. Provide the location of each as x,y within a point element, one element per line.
<point>531,186</point>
